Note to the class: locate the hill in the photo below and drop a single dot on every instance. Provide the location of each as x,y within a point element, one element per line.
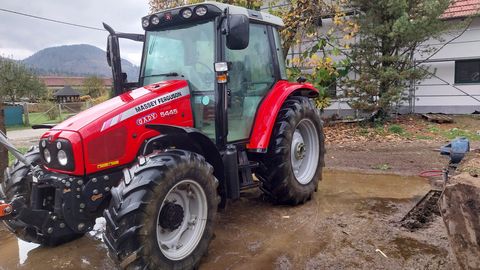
<point>75,60</point>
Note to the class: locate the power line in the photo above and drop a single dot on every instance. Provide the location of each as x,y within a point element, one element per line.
<point>51,20</point>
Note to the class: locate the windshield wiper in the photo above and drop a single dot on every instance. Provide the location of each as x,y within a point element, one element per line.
<point>170,74</point>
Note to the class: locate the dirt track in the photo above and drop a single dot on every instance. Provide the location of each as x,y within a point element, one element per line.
<point>351,216</point>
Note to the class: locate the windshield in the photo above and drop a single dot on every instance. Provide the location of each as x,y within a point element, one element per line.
<point>184,51</point>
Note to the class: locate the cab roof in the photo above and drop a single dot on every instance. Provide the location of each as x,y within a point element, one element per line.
<point>171,16</point>
<point>252,14</point>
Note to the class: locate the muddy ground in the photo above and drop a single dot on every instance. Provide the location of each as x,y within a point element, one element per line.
<point>352,221</point>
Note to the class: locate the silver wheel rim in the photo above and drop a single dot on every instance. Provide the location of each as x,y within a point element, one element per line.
<point>176,243</point>
<point>304,151</point>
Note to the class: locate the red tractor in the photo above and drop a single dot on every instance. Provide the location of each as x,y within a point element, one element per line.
<point>212,108</point>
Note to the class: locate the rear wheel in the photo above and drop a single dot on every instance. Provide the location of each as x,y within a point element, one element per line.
<point>293,164</point>
<point>163,218</point>
<point>18,179</point>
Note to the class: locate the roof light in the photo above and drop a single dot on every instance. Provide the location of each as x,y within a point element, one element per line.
<point>186,13</point>
<point>155,20</point>
<point>201,10</point>
<point>145,23</point>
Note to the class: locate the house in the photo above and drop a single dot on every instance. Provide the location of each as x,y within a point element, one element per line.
<point>66,94</point>
<point>454,87</point>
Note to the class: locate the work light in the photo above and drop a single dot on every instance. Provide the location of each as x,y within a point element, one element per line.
<point>200,10</point>
<point>155,20</point>
<point>186,13</point>
<point>145,22</point>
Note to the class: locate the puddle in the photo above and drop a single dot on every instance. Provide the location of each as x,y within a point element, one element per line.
<point>339,228</point>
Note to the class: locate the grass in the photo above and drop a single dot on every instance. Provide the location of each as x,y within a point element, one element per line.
<point>11,158</point>
<point>396,129</point>
<point>382,167</point>
<point>456,132</point>
<point>41,118</point>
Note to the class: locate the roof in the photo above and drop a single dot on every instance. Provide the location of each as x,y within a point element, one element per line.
<point>58,81</point>
<point>66,91</point>
<point>461,9</point>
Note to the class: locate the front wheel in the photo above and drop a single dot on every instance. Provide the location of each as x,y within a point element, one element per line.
<point>163,218</point>
<point>293,165</point>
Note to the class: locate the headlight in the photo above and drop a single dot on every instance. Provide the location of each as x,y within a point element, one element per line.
<point>201,10</point>
<point>58,154</point>
<point>62,158</point>
<point>47,156</point>
<point>186,13</point>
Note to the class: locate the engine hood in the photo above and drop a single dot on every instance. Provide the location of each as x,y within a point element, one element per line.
<point>93,118</point>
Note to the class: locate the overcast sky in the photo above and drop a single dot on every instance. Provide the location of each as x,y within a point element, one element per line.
<point>22,36</point>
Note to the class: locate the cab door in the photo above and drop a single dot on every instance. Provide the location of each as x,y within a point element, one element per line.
<point>252,74</point>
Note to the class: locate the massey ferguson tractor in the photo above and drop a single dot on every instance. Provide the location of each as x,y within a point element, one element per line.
<point>211,115</point>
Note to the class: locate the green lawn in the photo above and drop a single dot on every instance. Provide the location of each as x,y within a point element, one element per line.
<point>11,158</point>
<point>41,118</point>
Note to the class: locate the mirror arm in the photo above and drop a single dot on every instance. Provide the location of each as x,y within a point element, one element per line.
<point>134,37</point>
<point>225,15</point>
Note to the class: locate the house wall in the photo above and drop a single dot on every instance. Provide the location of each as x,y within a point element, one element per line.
<point>440,94</point>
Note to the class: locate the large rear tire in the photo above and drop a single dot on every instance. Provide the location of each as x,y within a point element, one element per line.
<point>163,218</point>
<point>293,165</point>
<point>18,180</point>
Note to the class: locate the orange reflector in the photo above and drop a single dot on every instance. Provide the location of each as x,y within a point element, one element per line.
<point>5,209</point>
<point>222,78</point>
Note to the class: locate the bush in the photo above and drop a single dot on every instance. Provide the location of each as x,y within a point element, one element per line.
<point>52,111</point>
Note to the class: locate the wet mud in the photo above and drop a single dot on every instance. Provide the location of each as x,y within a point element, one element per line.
<point>353,221</point>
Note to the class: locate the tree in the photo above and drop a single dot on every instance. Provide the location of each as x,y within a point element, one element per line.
<point>94,87</point>
<point>16,81</point>
<point>390,32</point>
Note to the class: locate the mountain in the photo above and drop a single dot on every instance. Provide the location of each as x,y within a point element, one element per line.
<point>76,60</point>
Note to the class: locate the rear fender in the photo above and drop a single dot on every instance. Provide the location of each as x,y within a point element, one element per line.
<point>268,111</point>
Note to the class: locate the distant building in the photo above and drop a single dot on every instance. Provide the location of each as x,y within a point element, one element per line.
<point>67,94</point>
<point>54,83</point>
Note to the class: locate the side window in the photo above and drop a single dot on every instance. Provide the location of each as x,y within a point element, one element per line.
<point>281,58</point>
<point>250,77</point>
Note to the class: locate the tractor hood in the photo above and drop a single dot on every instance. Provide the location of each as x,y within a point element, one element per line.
<point>93,119</point>
<point>110,134</point>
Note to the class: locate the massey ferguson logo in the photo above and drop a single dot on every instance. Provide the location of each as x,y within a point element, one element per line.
<point>147,118</point>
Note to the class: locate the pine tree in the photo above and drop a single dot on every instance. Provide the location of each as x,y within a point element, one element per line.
<point>383,56</point>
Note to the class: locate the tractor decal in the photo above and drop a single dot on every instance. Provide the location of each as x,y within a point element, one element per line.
<point>146,106</point>
<point>145,119</point>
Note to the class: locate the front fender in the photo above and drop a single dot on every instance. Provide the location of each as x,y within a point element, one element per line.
<point>269,108</point>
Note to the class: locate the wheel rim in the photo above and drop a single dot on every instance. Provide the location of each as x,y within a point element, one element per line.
<point>304,151</point>
<point>181,220</point>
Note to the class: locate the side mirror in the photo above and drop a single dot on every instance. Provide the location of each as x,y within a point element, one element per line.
<point>238,32</point>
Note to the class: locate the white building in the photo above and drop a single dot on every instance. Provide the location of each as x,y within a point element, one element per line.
<point>454,87</point>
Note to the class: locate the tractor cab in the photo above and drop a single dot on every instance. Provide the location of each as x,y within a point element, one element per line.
<point>230,56</point>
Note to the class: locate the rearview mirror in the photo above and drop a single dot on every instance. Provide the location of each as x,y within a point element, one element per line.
<point>238,32</point>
